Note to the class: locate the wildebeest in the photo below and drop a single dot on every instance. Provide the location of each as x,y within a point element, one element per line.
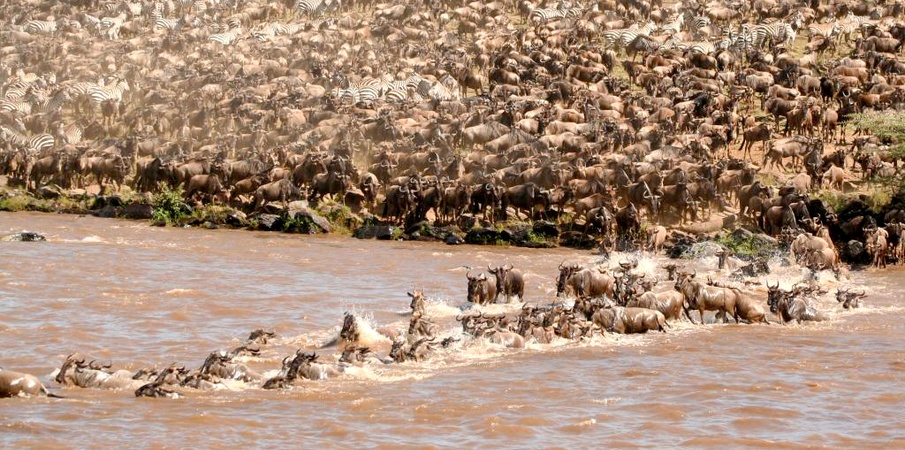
<point>701,297</point>
<point>790,306</point>
<point>509,282</point>
<point>849,300</point>
<point>18,384</point>
<point>76,372</point>
<point>584,281</point>
<point>481,289</point>
<point>627,320</point>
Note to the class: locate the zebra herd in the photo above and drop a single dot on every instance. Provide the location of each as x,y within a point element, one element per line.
<point>414,88</point>
<point>649,37</point>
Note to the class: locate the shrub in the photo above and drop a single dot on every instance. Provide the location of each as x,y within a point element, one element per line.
<point>169,208</point>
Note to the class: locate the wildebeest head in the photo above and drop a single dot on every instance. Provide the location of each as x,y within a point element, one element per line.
<point>477,287</point>
<point>261,336</point>
<point>417,303</point>
<point>349,331</point>
<point>775,296</point>
<point>73,360</point>
<point>565,271</point>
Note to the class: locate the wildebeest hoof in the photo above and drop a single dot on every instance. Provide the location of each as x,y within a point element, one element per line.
<point>25,236</point>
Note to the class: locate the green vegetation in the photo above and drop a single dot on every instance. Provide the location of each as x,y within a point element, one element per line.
<point>168,207</point>
<point>746,245</point>
<point>15,203</point>
<point>833,198</point>
<point>341,218</point>
<point>212,213</point>
<point>889,126</point>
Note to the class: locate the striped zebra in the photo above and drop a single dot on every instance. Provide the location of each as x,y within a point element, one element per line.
<point>695,23</point>
<point>99,94</point>
<point>166,23</point>
<point>40,26</point>
<point>16,90</point>
<point>541,16</point>
<point>826,30</point>
<point>111,25</point>
<point>851,24</point>
<point>313,7</point>
<point>20,106</point>
<point>770,33</point>
<point>36,143</point>
<point>622,37</point>
<point>396,93</point>
<point>52,104</point>
<point>70,134</point>
<point>673,27</point>
<point>704,47</point>
<point>226,38</point>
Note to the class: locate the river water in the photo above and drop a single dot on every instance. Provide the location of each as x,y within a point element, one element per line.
<point>137,296</point>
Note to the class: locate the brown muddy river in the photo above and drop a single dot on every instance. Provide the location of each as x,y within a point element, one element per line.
<point>137,296</point>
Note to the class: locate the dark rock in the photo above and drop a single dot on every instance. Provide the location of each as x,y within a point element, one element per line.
<point>236,219</point>
<point>315,222</point>
<point>269,222</point>
<point>487,236</point>
<point>577,239</point>
<point>466,222</point>
<point>741,234</point>
<point>453,239</point>
<point>208,225</point>
<point>25,236</point>
<point>854,251</point>
<point>108,211</point>
<point>103,201</point>
<point>48,192</point>
<point>545,229</point>
<point>762,240</point>
<point>381,232</point>
<point>138,211</point>
<point>273,208</point>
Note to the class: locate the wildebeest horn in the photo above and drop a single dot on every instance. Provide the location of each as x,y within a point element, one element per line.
<point>508,267</point>
<point>482,277</point>
<point>490,268</point>
<point>469,275</point>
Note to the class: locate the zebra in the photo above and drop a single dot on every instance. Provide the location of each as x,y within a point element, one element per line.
<point>396,94</point>
<point>543,15</point>
<point>675,26</point>
<point>70,135</point>
<point>227,37</point>
<point>167,24</point>
<point>704,47</point>
<point>99,94</point>
<point>826,30</point>
<point>695,23</point>
<point>40,26</point>
<point>111,26</point>
<point>315,7</point>
<point>16,106</point>
<point>852,24</point>
<point>775,33</point>
<point>35,144</point>
<point>53,104</point>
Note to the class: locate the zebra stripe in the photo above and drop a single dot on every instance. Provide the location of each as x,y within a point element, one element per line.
<point>16,106</point>
<point>40,26</point>
<point>226,38</point>
<point>311,6</point>
<point>38,142</point>
<point>99,94</point>
<point>675,26</point>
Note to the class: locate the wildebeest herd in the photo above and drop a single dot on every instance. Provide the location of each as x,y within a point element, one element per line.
<point>597,114</point>
<point>599,300</point>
